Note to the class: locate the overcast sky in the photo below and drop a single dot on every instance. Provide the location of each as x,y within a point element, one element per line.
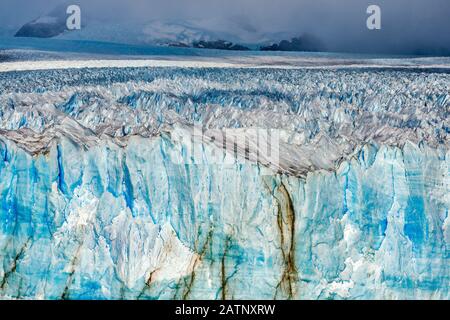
<point>408,26</point>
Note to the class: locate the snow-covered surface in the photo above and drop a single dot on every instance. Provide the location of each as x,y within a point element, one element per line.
<point>246,62</point>
<point>63,64</point>
<point>209,29</point>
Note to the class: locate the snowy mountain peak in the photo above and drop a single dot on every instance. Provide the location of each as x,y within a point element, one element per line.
<point>46,26</point>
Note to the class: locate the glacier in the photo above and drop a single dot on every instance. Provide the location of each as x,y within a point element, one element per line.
<point>101,197</point>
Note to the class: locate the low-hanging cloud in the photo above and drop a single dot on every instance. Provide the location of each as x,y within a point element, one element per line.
<point>408,26</point>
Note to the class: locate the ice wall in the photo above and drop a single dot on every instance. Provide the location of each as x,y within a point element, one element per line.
<point>93,211</point>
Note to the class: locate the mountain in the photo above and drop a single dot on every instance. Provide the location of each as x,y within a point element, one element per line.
<point>303,43</point>
<point>175,32</point>
<point>219,44</point>
<point>200,33</point>
<point>47,26</point>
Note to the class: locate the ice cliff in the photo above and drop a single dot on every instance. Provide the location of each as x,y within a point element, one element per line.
<point>100,197</point>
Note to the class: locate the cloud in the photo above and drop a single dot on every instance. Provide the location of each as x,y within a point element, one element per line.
<point>408,26</point>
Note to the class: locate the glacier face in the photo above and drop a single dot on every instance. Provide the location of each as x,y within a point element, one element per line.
<point>100,198</point>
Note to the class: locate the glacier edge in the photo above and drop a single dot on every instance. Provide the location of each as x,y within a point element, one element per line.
<point>100,198</point>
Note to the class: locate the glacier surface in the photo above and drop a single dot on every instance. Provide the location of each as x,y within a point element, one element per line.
<point>100,198</point>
